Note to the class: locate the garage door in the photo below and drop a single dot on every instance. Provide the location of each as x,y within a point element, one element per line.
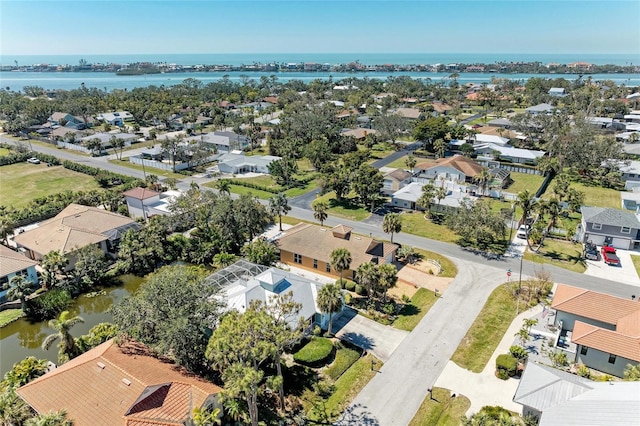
<point>620,243</point>
<point>595,239</point>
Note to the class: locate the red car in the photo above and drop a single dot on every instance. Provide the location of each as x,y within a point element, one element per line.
<point>609,255</point>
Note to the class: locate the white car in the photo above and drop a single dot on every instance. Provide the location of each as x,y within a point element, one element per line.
<point>33,160</point>
<point>523,231</point>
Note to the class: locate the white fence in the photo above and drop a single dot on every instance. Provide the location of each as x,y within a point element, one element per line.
<point>73,146</point>
<point>157,164</point>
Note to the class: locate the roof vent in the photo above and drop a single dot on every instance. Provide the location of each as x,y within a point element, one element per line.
<point>101,365</point>
<point>126,382</point>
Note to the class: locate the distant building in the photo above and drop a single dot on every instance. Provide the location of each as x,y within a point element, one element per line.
<point>238,163</point>
<point>115,118</point>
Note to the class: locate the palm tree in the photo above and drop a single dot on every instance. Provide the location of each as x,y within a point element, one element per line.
<point>482,179</point>
<point>387,278</point>
<point>341,260</point>
<point>410,162</point>
<point>330,301</point>
<point>279,205</point>
<point>441,194</point>
<point>52,418</point>
<point>391,224</point>
<point>526,202</point>
<point>425,200</point>
<point>440,147</point>
<point>223,186</point>
<point>552,208</point>
<point>67,345</point>
<point>6,227</point>
<point>367,275</point>
<point>320,211</point>
<point>20,288</point>
<point>53,264</point>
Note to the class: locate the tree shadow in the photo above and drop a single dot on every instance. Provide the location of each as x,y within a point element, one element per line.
<point>298,378</point>
<point>357,415</point>
<point>359,340</point>
<point>410,310</point>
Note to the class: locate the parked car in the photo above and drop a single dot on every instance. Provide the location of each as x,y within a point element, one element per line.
<point>609,255</point>
<point>590,251</point>
<point>33,160</point>
<point>523,232</point>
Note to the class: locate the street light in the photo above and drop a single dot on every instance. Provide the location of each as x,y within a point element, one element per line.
<point>519,285</point>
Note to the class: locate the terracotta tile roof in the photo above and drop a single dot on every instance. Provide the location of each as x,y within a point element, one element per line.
<point>11,261</point>
<point>112,385</point>
<point>315,242</point>
<point>594,305</point>
<point>76,226</point>
<point>398,174</point>
<point>459,162</point>
<point>608,341</point>
<point>140,193</point>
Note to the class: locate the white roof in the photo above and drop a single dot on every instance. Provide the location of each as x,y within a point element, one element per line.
<point>633,95</point>
<point>630,167</point>
<point>110,116</point>
<point>509,151</point>
<point>411,192</point>
<point>499,140</point>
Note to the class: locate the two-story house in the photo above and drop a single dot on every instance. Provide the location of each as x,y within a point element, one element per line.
<point>455,169</point>
<point>615,227</point>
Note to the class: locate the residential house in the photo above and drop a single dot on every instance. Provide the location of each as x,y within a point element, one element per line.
<point>441,108</point>
<point>121,385</point>
<point>600,122</point>
<point>75,227</point>
<point>115,118</point>
<point>508,153</point>
<point>222,142</point>
<point>604,328</point>
<point>14,264</point>
<point>456,169</point>
<point>556,397</point>
<point>408,113</point>
<point>245,282</point>
<point>238,163</point>
<point>63,133</point>
<point>543,108</point>
<point>359,133</point>
<point>630,171</point>
<point>557,92</point>
<point>68,120</point>
<point>395,179</point>
<point>615,227</point>
<point>483,138</point>
<point>140,200</point>
<point>106,138</point>
<point>408,196</point>
<point>309,246</point>
<point>500,122</point>
<point>631,200</point>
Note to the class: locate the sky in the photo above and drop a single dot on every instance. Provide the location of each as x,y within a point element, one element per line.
<point>318,26</point>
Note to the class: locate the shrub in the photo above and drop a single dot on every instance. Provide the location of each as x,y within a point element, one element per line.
<point>342,283</point>
<point>48,305</point>
<point>317,330</point>
<point>518,352</point>
<point>502,375</point>
<point>347,298</point>
<point>350,286</point>
<point>583,371</point>
<point>406,299</point>
<point>315,352</point>
<point>360,290</point>
<point>507,363</point>
<point>345,357</point>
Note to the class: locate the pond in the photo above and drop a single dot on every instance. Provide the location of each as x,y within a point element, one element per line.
<point>23,338</point>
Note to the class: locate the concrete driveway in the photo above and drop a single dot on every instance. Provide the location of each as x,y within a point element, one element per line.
<point>380,340</point>
<point>625,273</point>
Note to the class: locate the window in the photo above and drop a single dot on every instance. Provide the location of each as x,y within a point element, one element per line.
<point>612,359</point>
<point>328,267</point>
<point>583,350</point>
<point>297,258</point>
<point>315,263</point>
<point>596,226</point>
<point>625,230</point>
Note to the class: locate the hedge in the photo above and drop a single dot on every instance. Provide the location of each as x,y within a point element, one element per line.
<point>315,352</point>
<point>20,157</point>
<point>507,363</point>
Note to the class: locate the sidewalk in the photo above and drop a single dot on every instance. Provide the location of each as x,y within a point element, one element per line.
<point>485,388</point>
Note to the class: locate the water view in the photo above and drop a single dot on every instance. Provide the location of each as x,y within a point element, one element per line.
<point>23,338</point>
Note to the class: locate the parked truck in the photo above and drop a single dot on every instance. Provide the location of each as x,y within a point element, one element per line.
<point>609,256</point>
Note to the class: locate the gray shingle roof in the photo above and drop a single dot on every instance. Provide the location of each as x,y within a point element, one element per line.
<point>609,216</point>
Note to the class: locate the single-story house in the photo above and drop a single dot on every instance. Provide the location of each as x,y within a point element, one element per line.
<point>75,227</point>
<point>238,163</point>
<point>359,133</point>
<point>115,118</point>
<point>630,170</point>
<point>68,120</point>
<point>500,122</point>
<point>556,397</point>
<point>600,122</point>
<point>456,169</point>
<point>309,247</point>
<point>543,108</point>
<point>121,385</point>
<point>407,198</point>
<point>395,179</point>
<point>557,92</point>
<point>628,137</point>
<point>145,203</point>
<point>222,142</point>
<point>105,138</point>
<point>63,133</point>
<point>244,282</point>
<point>14,264</point>
<point>509,153</point>
<point>409,113</point>
<point>483,138</point>
<point>631,200</point>
<point>615,227</point>
<point>604,328</point>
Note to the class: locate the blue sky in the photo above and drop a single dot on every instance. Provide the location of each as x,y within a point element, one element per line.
<point>321,26</point>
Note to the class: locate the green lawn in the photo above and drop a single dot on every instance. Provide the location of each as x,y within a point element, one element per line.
<point>381,150</point>
<point>440,409</point>
<point>522,181</point>
<point>240,190</point>
<point>148,170</point>
<point>23,182</point>
<point>487,330</point>
<point>4,151</point>
<point>412,313</point>
<point>599,197</point>
<point>416,224</point>
<point>9,315</point>
<point>636,263</point>
<point>347,387</point>
<point>449,269</point>
<point>563,254</point>
<point>347,209</point>
<point>399,163</point>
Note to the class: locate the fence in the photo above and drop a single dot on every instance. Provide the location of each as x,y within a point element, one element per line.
<point>74,147</point>
<point>530,170</point>
<point>157,164</point>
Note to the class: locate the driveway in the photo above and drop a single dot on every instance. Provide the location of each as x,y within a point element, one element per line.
<point>625,273</point>
<point>380,340</point>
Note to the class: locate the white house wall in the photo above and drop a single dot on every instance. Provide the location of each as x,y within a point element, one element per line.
<point>599,360</point>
